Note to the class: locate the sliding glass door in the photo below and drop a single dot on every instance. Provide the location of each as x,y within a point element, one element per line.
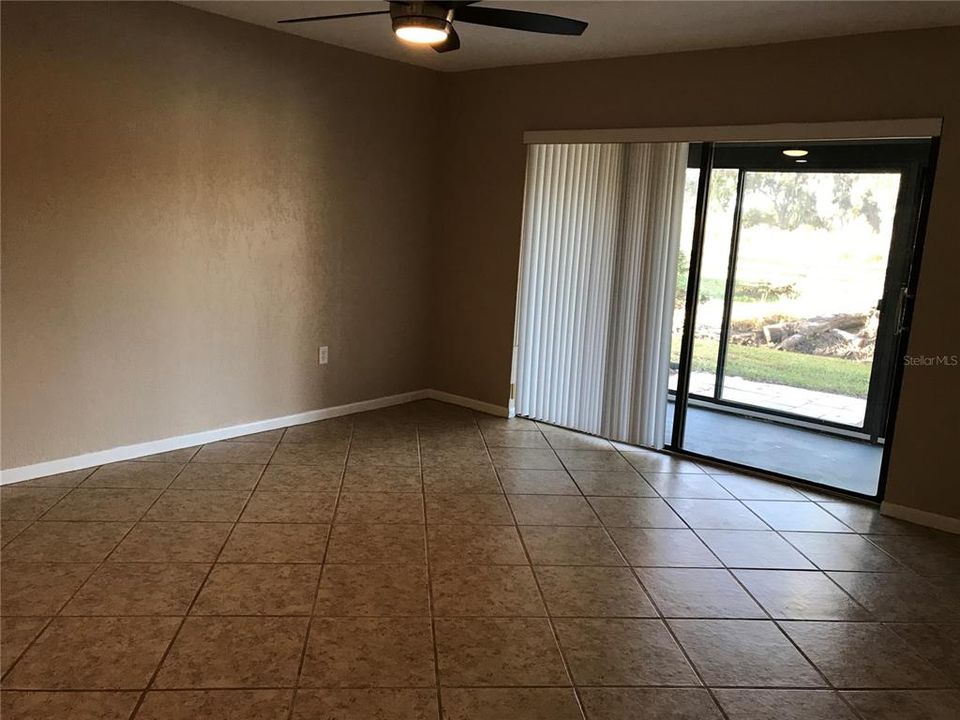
<point>794,268</point>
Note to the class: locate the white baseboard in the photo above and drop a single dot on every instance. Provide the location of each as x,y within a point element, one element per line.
<point>129,452</point>
<point>921,517</point>
<point>478,405</point>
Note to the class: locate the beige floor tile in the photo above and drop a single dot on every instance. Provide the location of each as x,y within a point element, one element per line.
<point>485,590</point>
<point>72,705</point>
<point>216,705</point>
<point>570,546</point>
<point>783,705</point>
<point>371,507</point>
<point>276,543</point>
<point>800,595</point>
<point>468,510</point>
<point>197,506</point>
<point>746,487</point>
<point>156,475</point>
<point>475,545</point>
<point>93,653</point>
<point>395,456</point>
<point>865,518</point>
<point>716,514</point>
<point>686,485</point>
<point>64,480</point>
<point>646,547</point>
<point>300,478</point>
<point>40,588</point>
<point>608,460</point>
<point>636,512</point>
<point>593,592</point>
<point>325,430</point>
<point>138,589</point>
<point>369,652</point>
<point>938,643</point>
<point>569,440</point>
<point>218,476</point>
<point>16,633</point>
<point>374,478</point>
<point>883,660</point>
<point>525,459</point>
<point>257,589</point>
<point>754,549</point>
<point>498,652</point>
<point>538,482</point>
<point>288,453</point>
<point>103,504</point>
<point>228,451</point>
<point>698,593</point>
<point>905,704</point>
<point>616,651</point>
<point>744,653</point>
<point>567,510</point>
<point>225,652</point>
<point>458,457</point>
<point>289,507</point>
<point>389,544</point>
<point>373,591</point>
<point>514,703</point>
<point>926,555</point>
<point>28,503</point>
<point>180,455</point>
<point>842,551</point>
<point>11,528</point>
<point>159,542</point>
<point>648,703</point>
<point>616,483</point>
<point>515,439</point>
<point>489,422</point>
<point>902,597</point>
<point>647,461</point>
<point>267,436</point>
<point>368,704</point>
<point>461,480</point>
<point>65,542</point>
<point>796,516</point>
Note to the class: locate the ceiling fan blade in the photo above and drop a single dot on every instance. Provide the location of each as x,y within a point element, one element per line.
<point>332,17</point>
<point>519,20</point>
<point>451,43</point>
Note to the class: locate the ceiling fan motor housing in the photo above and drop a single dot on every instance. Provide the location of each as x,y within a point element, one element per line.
<point>421,15</point>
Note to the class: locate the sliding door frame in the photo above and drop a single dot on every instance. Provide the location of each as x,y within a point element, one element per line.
<point>917,180</point>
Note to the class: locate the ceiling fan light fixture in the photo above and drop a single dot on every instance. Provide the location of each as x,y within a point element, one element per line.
<point>796,153</point>
<point>421,29</point>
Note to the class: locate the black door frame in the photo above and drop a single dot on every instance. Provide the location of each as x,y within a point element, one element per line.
<point>916,161</point>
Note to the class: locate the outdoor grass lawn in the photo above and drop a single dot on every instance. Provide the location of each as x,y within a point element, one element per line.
<point>811,372</point>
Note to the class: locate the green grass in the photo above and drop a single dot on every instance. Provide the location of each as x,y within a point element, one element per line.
<point>811,372</point>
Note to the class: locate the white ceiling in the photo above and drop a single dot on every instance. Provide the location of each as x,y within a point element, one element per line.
<point>638,27</point>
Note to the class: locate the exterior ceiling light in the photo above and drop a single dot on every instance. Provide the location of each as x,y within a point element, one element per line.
<point>796,153</point>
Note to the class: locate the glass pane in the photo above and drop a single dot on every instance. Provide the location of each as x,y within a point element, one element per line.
<point>810,272</point>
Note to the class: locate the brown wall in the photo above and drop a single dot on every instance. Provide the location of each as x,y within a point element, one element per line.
<point>191,205</point>
<point>869,77</point>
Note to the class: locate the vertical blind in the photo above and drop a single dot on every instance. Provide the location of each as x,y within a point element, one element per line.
<point>597,282</point>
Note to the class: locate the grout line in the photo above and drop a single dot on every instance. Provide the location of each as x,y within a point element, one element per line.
<point>536,579</point>
<point>199,590</point>
<point>323,563</point>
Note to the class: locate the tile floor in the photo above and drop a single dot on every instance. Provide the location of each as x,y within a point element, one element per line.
<point>424,561</point>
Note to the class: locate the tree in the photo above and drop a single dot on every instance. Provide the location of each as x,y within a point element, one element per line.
<point>794,203</point>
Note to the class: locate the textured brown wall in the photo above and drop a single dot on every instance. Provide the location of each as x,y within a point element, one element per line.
<point>869,77</point>
<point>191,205</point>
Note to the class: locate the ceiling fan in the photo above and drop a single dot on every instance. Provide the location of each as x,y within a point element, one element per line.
<point>431,23</point>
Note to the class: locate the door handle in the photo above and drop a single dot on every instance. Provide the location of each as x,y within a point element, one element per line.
<point>902,301</point>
